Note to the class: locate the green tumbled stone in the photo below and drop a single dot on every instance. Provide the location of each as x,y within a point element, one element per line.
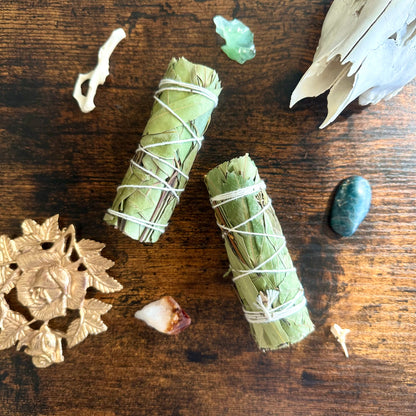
<point>238,38</point>
<point>351,205</point>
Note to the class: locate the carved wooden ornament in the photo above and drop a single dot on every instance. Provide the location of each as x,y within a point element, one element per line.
<point>50,272</point>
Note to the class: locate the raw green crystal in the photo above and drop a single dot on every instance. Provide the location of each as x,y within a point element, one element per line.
<point>238,38</point>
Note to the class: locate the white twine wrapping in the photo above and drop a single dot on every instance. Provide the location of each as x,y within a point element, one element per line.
<point>166,85</point>
<point>267,313</point>
<point>148,224</point>
<point>218,200</point>
<point>264,311</point>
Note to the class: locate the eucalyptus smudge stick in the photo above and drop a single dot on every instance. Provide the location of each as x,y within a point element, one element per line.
<point>271,294</point>
<point>159,170</point>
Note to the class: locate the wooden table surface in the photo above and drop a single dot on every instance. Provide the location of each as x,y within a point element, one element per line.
<point>56,160</point>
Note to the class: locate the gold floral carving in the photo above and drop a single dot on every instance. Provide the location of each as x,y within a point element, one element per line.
<point>51,272</point>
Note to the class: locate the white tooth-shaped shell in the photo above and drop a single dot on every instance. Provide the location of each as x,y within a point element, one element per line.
<point>367,49</point>
<point>340,334</point>
<point>165,315</point>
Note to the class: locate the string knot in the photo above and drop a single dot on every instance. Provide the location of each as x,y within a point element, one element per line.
<point>264,311</point>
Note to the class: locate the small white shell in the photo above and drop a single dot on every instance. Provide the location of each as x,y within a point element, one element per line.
<point>165,315</point>
<point>340,334</point>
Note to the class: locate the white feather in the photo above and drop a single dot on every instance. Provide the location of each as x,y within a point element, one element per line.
<point>367,49</point>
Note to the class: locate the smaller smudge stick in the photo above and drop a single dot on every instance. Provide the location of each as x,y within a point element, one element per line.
<point>159,171</point>
<point>271,294</point>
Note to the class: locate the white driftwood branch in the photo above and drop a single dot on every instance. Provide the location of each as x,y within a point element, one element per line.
<point>98,75</point>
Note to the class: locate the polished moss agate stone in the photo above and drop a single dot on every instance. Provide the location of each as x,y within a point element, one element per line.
<point>238,38</point>
<point>351,205</point>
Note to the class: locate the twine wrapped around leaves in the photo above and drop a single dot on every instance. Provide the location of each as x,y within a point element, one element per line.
<point>272,296</point>
<point>159,171</point>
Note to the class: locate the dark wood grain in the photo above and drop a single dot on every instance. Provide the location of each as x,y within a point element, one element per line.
<point>54,159</point>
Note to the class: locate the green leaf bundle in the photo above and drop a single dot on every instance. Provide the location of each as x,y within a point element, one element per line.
<point>267,283</point>
<point>159,170</point>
